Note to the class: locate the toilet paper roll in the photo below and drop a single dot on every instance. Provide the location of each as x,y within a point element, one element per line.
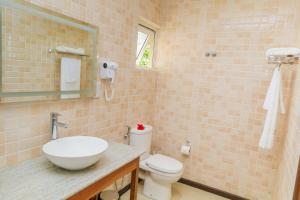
<point>185,150</point>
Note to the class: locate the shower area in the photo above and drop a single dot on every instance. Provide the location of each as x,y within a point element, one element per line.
<point>212,80</point>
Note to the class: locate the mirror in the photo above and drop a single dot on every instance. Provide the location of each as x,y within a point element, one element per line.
<point>45,55</point>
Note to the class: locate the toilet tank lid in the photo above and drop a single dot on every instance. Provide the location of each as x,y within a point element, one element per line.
<point>164,164</point>
<point>147,130</point>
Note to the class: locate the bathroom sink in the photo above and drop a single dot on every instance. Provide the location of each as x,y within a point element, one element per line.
<point>75,153</point>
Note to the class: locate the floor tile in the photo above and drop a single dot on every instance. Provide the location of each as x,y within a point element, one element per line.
<point>181,192</point>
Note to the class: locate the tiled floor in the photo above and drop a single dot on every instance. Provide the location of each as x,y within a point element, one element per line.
<point>181,192</point>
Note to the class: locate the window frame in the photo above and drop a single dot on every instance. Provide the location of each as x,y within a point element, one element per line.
<point>145,27</point>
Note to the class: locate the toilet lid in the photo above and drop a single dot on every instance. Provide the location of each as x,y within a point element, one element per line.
<point>164,164</point>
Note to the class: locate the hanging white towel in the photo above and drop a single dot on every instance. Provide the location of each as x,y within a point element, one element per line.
<point>70,77</point>
<point>273,102</point>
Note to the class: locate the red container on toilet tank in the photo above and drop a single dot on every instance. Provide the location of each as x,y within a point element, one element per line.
<point>140,127</point>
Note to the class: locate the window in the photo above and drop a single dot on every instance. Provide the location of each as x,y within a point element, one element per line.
<point>145,47</point>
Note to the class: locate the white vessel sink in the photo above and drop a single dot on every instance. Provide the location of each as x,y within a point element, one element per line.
<point>75,153</point>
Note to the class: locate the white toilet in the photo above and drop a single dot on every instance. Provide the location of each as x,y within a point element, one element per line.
<point>158,171</point>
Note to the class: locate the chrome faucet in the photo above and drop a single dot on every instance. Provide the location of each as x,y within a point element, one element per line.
<point>55,124</point>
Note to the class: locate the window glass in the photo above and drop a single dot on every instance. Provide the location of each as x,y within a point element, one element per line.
<point>145,47</point>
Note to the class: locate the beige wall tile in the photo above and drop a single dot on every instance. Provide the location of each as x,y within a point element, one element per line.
<point>217,102</point>
<point>287,170</point>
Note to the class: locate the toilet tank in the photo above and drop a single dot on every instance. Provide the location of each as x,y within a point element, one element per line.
<point>141,139</point>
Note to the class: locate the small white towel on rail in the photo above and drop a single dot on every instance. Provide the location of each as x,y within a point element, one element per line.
<point>70,77</point>
<point>273,102</point>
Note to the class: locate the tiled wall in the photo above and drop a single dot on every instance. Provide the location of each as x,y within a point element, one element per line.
<point>150,10</point>
<point>217,102</point>
<point>24,127</point>
<point>291,149</point>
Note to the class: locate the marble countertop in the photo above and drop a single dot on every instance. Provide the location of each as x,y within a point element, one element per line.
<point>39,179</point>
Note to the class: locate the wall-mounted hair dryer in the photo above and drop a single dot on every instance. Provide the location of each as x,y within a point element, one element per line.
<point>108,72</point>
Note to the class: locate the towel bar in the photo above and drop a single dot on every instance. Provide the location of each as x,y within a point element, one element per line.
<point>284,59</point>
<point>54,50</point>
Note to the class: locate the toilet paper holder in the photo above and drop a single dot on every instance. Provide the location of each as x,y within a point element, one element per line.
<point>186,148</point>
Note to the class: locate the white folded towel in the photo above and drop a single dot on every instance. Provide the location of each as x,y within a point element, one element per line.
<point>70,77</point>
<point>283,52</point>
<point>273,100</point>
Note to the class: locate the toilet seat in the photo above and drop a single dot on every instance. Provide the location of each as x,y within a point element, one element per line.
<point>160,172</point>
<point>164,164</point>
